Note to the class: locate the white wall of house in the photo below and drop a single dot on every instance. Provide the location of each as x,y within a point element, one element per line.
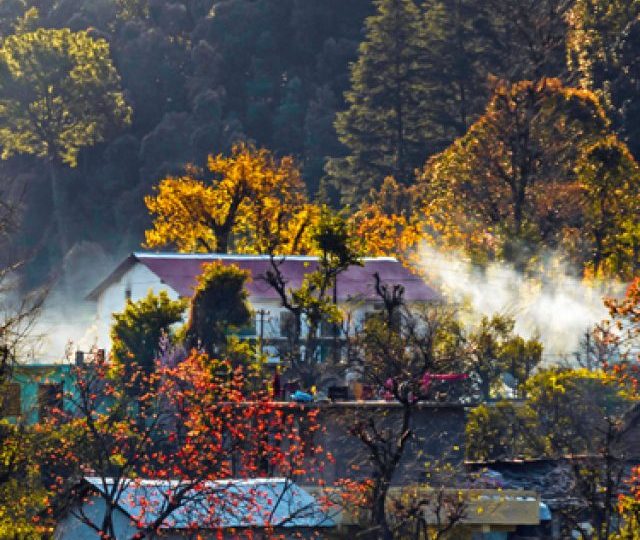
<point>272,313</point>
<point>139,280</point>
<point>134,284</point>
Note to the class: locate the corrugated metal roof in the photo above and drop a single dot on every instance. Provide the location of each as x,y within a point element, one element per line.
<point>273,502</point>
<point>179,271</point>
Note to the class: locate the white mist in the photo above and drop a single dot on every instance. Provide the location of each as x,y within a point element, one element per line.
<point>554,306</point>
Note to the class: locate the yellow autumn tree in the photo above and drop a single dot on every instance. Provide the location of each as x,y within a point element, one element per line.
<point>383,223</point>
<point>254,203</point>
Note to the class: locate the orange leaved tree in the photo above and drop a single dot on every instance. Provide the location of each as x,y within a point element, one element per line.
<point>383,223</point>
<point>621,336</point>
<point>178,452</point>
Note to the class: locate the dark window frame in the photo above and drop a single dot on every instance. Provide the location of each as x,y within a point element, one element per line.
<point>12,400</point>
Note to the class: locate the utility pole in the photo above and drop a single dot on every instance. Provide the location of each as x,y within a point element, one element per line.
<point>262,313</point>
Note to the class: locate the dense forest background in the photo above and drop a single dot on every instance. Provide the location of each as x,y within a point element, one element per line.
<point>198,76</point>
<point>302,78</point>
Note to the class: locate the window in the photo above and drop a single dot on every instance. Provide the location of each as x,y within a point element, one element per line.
<point>380,315</point>
<point>49,397</point>
<point>370,316</point>
<point>329,329</point>
<point>288,324</point>
<point>11,403</point>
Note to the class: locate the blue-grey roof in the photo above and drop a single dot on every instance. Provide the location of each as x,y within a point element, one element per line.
<point>261,502</point>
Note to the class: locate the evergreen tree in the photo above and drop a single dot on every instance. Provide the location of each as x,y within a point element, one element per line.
<point>387,117</point>
<point>527,37</point>
<point>136,331</point>
<point>59,93</point>
<point>602,50</point>
<point>220,304</point>
<point>459,57</point>
<point>319,136</point>
<point>289,119</point>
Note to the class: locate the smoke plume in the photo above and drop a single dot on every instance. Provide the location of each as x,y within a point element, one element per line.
<point>554,305</point>
<point>68,322</point>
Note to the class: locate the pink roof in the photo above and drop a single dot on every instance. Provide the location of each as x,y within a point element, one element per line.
<point>179,271</point>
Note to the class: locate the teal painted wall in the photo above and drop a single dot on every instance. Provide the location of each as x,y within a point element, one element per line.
<point>30,377</point>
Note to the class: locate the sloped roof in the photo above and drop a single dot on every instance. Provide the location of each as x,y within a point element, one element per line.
<point>261,502</point>
<point>179,271</point>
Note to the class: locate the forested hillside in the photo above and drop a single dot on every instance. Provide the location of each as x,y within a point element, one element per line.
<point>198,76</point>
<point>355,91</point>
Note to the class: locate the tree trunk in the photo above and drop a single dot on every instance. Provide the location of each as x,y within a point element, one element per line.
<point>59,207</point>
<point>461,83</point>
<point>610,486</point>
<point>386,471</point>
<point>485,385</point>
<point>222,241</point>
<point>598,252</point>
<point>107,528</point>
<point>379,514</point>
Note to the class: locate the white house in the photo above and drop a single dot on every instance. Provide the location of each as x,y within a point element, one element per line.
<point>177,274</point>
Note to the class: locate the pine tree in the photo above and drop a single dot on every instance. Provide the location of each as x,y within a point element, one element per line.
<point>387,117</point>
<point>527,36</point>
<point>458,40</point>
<point>602,50</point>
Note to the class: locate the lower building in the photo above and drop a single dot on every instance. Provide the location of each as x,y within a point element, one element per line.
<point>229,509</point>
<point>34,390</point>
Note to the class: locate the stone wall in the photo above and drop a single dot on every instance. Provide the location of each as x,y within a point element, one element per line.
<point>438,438</point>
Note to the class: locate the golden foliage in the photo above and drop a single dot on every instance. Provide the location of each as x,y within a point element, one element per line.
<point>382,223</point>
<point>255,203</point>
<point>609,182</point>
